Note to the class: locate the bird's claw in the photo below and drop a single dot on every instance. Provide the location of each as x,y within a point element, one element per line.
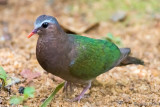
<point>77,99</point>
<point>82,93</point>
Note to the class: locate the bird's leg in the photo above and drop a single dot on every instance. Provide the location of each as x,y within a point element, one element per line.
<point>82,93</point>
<point>65,86</point>
<point>70,85</point>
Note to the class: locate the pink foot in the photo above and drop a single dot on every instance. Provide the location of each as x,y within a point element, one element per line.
<point>82,93</point>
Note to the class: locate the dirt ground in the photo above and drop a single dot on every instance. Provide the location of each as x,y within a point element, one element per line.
<point>131,85</point>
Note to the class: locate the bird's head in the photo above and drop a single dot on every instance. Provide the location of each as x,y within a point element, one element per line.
<point>44,24</point>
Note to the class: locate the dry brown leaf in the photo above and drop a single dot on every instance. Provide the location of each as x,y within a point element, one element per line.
<point>29,75</point>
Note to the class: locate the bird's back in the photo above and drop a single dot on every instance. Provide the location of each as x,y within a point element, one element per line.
<point>93,58</point>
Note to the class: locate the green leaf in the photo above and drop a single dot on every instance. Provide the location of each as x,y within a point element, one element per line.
<point>8,81</point>
<point>15,100</point>
<point>49,99</point>
<point>3,76</point>
<point>113,39</point>
<point>110,36</point>
<point>29,92</point>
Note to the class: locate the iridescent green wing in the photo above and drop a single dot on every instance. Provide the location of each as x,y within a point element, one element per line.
<point>94,57</point>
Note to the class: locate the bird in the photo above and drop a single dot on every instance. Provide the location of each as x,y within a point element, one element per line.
<point>76,59</point>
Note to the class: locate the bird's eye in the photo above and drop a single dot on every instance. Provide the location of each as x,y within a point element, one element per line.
<point>45,25</point>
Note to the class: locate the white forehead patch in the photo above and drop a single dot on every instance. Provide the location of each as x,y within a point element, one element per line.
<point>37,25</point>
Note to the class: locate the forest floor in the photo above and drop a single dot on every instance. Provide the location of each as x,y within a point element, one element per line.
<point>131,85</point>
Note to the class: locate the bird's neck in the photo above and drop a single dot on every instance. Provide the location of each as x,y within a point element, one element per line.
<point>53,40</point>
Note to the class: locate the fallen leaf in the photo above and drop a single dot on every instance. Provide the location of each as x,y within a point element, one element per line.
<point>29,75</point>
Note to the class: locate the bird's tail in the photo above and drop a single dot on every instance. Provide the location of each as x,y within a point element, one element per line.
<point>126,59</point>
<point>131,60</point>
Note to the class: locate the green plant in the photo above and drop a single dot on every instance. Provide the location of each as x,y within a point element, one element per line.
<point>28,92</point>
<point>114,39</point>
<point>3,76</point>
<point>15,100</point>
<point>103,9</point>
<point>49,99</point>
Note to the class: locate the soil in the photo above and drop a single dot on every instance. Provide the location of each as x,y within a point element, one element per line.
<point>131,85</point>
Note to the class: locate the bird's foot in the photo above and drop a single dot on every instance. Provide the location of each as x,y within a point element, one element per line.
<point>77,98</point>
<point>82,93</point>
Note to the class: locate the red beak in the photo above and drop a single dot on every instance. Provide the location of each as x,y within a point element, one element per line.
<point>32,33</point>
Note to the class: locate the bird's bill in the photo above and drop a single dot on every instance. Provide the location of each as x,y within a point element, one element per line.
<point>32,33</point>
